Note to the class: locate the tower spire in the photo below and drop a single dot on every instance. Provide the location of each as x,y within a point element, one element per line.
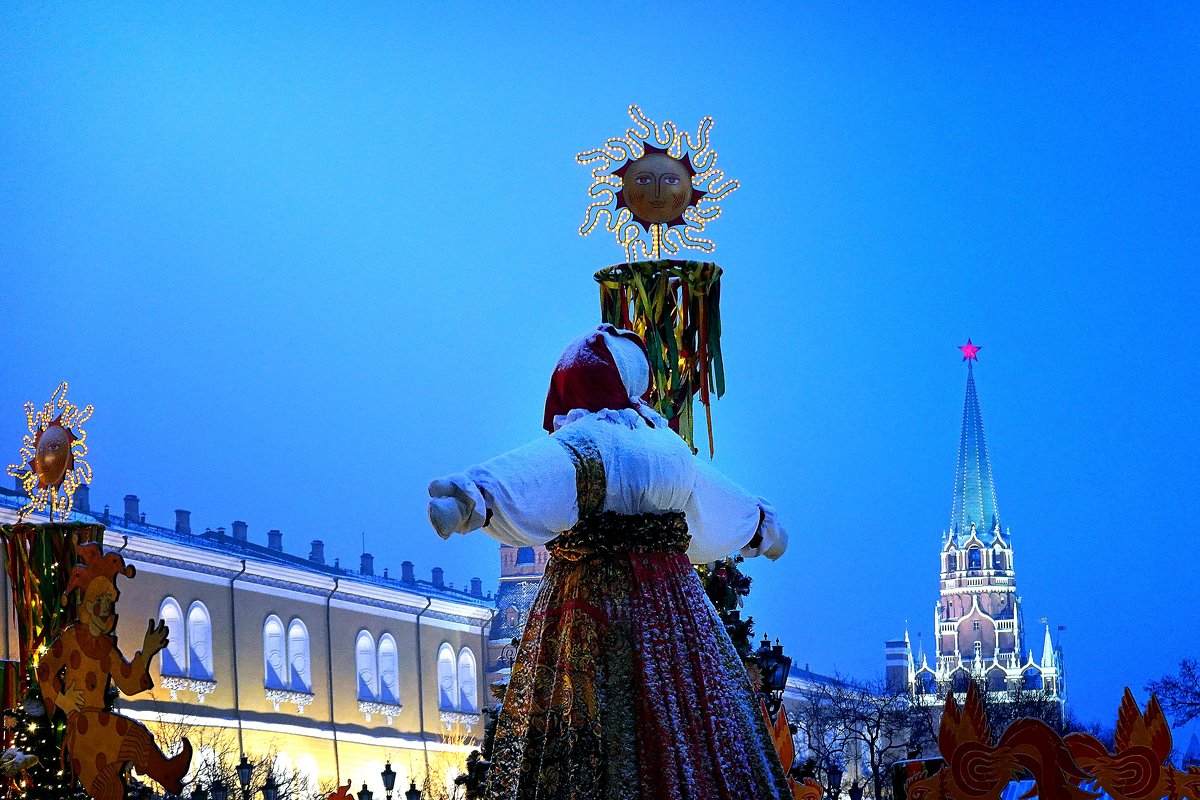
<point>974,490</point>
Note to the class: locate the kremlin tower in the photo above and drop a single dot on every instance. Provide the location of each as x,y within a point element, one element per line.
<point>980,633</point>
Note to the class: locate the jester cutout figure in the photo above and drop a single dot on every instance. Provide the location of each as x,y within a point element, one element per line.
<point>76,672</point>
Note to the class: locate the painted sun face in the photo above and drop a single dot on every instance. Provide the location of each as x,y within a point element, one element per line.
<point>98,607</point>
<point>53,456</point>
<point>657,188</point>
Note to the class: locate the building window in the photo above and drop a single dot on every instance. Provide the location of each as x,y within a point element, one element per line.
<point>274,654</point>
<point>199,643</point>
<point>447,680</point>
<point>468,691</point>
<point>998,561</point>
<point>950,562</point>
<point>389,671</point>
<point>364,659</point>
<point>978,650</point>
<point>525,555</point>
<point>174,656</point>
<point>300,679</point>
<point>975,626</point>
<point>974,558</point>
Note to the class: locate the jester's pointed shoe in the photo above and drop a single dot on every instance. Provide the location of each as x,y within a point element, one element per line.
<point>169,772</point>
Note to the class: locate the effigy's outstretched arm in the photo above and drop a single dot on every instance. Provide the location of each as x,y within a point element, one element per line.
<point>724,518</point>
<point>524,497</point>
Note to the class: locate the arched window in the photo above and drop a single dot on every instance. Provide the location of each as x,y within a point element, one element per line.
<point>174,657</point>
<point>364,661</point>
<point>974,558</point>
<point>300,679</point>
<point>959,681</point>
<point>950,562</point>
<point>1032,678</point>
<point>525,555</point>
<point>389,671</point>
<point>996,680</point>
<point>447,680</point>
<point>997,560</point>
<point>199,643</point>
<point>468,690</point>
<point>274,654</point>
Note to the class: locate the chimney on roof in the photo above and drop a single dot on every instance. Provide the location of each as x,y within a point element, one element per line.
<point>366,564</point>
<point>406,572</point>
<point>81,498</point>
<point>275,539</point>
<point>239,530</point>
<point>476,587</point>
<point>131,508</point>
<point>317,553</point>
<point>183,521</point>
<point>438,575</point>
<point>385,573</point>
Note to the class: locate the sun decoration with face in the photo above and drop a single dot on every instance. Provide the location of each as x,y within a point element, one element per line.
<point>52,455</point>
<point>655,188</point>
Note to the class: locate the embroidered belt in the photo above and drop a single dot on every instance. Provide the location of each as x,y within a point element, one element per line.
<point>608,533</point>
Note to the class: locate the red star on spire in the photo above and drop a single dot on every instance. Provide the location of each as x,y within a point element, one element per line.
<point>969,350</point>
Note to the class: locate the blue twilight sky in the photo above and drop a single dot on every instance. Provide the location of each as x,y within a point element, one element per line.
<point>305,257</point>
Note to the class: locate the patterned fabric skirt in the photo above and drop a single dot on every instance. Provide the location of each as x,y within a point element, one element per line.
<point>626,686</point>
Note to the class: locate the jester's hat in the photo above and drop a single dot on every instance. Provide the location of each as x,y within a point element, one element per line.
<point>96,564</point>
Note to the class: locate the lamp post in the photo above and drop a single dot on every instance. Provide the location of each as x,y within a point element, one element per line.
<point>199,793</point>
<point>413,792</point>
<point>365,793</point>
<point>219,790</point>
<point>244,770</point>
<point>389,779</point>
<point>835,780</point>
<point>270,790</point>
<point>775,667</point>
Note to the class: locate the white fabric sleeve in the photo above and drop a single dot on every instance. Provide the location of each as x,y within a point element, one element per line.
<point>722,517</point>
<point>774,536</point>
<point>530,493</point>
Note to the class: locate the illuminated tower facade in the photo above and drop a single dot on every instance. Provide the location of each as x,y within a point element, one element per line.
<point>979,631</point>
<point>521,571</point>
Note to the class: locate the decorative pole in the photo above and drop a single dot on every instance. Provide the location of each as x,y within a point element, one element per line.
<point>656,189</point>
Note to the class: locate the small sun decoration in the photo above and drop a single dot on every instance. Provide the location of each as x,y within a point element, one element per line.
<point>52,455</point>
<point>655,188</point>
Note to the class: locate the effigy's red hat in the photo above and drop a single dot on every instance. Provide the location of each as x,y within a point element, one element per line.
<point>605,368</point>
<point>96,565</point>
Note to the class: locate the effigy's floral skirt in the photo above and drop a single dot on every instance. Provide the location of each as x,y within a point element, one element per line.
<point>627,687</point>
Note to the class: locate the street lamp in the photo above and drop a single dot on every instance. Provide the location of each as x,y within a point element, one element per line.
<point>775,667</point>
<point>389,779</point>
<point>244,770</point>
<point>270,791</point>
<point>219,790</point>
<point>835,780</point>
<point>199,793</point>
<point>413,792</point>
<point>365,793</point>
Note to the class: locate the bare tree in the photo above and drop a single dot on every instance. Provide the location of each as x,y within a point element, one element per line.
<point>1179,695</point>
<point>859,727</point>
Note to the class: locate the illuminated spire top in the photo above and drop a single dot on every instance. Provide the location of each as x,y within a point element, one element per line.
<point>974,491</point>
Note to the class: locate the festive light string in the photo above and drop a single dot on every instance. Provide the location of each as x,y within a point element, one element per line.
<point>606,208</point>
<point>58,498</point>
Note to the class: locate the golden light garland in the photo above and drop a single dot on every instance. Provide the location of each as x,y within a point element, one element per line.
<point>638,230</point>
<point>52,455</point>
